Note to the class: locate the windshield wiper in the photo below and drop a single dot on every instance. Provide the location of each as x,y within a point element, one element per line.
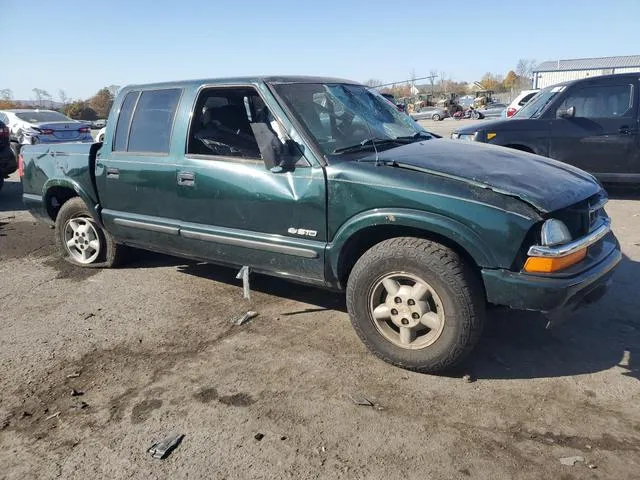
<point>369,143</point>
<point>416,136</point>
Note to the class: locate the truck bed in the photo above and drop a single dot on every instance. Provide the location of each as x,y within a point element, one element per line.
<point>67,166</point>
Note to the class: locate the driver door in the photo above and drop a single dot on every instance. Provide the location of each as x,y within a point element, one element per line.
<point>601,137</point>
<point>235,210</point>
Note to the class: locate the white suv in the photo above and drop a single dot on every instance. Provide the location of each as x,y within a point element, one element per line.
<point>520,101</point>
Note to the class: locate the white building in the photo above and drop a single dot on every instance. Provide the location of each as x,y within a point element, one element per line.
<point>558,71</point>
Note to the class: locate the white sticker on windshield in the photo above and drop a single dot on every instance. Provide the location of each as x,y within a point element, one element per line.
<point>559,88</point>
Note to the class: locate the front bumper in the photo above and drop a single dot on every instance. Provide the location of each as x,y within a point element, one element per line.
<point>551,293</point>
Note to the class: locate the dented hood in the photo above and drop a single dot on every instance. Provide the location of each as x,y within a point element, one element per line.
<point>545,184</point>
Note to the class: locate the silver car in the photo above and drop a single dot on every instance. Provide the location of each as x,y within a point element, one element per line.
<point>28,127</point>
<point>431,113</point>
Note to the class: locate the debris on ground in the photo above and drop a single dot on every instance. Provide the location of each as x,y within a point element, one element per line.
<point>245,318</point>
<point>283,437</point>
<point>57,414</point>
<point>76,393</point>
<point>258,436</point>
<point>571,461</point>
<point>73,375</point>
<point>243,275</point>
<point>592,466</point>
<point>89,315</point>
<point>467,378</point>
<point>80,406</point>
<point>163,448</point>
<point>26,414</point>
<point>359,399</point>
<point>626,358</point>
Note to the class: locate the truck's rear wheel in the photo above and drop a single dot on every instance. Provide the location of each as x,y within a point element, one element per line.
<point>415,304</point>
<point>81,240</point>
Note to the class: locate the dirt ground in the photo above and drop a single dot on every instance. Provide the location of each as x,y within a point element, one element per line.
<point>152,350</point>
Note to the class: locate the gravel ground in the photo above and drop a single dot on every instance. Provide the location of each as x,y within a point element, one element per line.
<point>152,349</point>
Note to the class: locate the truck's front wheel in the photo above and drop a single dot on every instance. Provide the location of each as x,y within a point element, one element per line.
<point>415,304</point>
<point>82,241</point>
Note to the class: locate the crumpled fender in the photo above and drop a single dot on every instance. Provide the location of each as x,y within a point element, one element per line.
<point>80,191</point>
<point>446,227</point>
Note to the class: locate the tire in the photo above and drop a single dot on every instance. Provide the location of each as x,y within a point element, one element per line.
<point>75,211</point>
<point>101,138</point>
<point>435,117</point>
<point>455,294</point>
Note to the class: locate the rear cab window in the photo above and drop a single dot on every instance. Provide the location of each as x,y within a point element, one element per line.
<point>145,122</point>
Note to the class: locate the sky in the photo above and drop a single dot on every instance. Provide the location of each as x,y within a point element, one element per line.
<point>82,46</point>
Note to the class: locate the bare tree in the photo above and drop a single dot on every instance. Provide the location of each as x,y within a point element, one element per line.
<point>6,94</point>
<point>62,95</point>
<point>525,66</point>
<point>373,82</point>
<point>41,95</point>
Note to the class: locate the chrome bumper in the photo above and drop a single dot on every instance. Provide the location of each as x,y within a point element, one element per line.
<point>572,247</point>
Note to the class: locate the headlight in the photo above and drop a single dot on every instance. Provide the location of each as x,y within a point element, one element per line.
<point>554,232</point>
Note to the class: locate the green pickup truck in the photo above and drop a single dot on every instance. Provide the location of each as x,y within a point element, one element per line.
<point>323,182</point>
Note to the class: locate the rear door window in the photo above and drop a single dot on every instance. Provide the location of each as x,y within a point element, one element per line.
<point>124,122</point>
<point>152,121</point>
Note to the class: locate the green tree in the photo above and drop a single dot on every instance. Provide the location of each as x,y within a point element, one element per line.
<point>101,102</point>
<point>80,110</point>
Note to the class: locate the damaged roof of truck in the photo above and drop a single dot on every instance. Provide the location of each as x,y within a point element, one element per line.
<point>243,80</point>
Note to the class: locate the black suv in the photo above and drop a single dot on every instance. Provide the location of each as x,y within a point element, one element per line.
<point>590,123</point>
<point>8,161</point>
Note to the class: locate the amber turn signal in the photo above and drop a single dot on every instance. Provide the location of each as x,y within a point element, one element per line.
<point>553,264</point>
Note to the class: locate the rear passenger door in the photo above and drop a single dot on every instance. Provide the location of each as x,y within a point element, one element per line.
<point>236,210</point>
<point>136,173</point>
<point>602,138</point>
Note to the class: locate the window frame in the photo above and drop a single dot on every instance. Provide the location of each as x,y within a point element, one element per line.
<point>577,88</point>
<point>133,113</point>
<point>227,158</point>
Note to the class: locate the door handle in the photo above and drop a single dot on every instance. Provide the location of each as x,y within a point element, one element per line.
<point>113,173</point>
<point>186,179</point>
<point>625,130</point>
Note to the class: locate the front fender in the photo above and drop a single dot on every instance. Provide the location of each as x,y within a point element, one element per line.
<point>86,197</point>
<point>446,227</point>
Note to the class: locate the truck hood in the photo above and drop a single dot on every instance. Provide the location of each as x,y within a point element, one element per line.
<point>545,184</point>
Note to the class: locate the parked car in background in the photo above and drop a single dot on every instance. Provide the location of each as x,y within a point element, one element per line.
<point>98,124</point>
<point>493,110</point>
<point>8,161</point>
<point>430,113</point>
<point>421,234</point>
<point>592,123</point>
<point>100,135</point>
<point>523,97</point>
<point>28,127</point>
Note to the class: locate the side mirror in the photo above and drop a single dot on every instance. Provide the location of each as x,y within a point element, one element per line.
<point>567,113</point>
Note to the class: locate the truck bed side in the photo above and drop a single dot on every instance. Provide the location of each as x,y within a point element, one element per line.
<point>55,173</point>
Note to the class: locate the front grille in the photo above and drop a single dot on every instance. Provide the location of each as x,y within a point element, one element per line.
<point>584,216</point>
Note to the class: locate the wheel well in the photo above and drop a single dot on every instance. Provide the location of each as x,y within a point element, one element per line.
<point>366,238</point>
<point>55,198</point>
<point>522,148</point>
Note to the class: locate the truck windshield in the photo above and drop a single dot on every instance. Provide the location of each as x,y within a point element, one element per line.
<point>42,116</point>
<point>346,119</point>
<point>535,106</point>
